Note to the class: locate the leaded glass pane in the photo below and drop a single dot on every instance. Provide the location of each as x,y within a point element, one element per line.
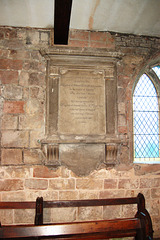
<point>146,120</point>
<point>157,70</point>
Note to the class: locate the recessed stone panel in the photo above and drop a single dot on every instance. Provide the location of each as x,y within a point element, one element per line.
<point>82,102</point>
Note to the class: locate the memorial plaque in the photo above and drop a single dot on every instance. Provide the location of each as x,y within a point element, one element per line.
<point>82,102</point>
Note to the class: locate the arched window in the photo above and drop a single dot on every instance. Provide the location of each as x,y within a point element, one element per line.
<point>146,132</point>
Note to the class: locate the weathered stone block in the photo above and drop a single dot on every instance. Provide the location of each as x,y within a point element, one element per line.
<point>9,77</point>
<point>11,64</point>
<point>10,33</point>
<point>32,37</point>
<point>98,36</point>
<point>101,173</point>
<point>44,172</point>
<point>47,195</point>
<point>47,215</point>
<point>13,107</point>
<point>89,183</point>
<point>79,35</point>
<point>155,182</point>
<point>111,194</point>
<point>44,37</point>
<point>11,185</point>
<point>122,129</point>
<point>152,207</point>
<point>33,156</point>
<point>124,154</point>
<point>12,92</point>
<point>110,183</point>
<point>35,136</point>
<point>146,183</point>
<point>9,122</point>
<point>6,216</point>
<point>11,156</point>
<point>144,169</point>
<point>15,139</point>
<point>36,79</point>
<point>18,172</point>
<point>128,211</point>
<point>68,195</point>
<point>102,39</point>
<point>62,184</point>
<point>155,192</point>
<point>97,44</point>
<point>19,54</point>
<point>37,92</point>
<point>78,43</point>
<point>128,183</point>
<point>121,120</point>
<point>36,184</point>
<point>111,212</point>
<point>16,196</point>
<point>31,122</point>
<point>33,67</point>
<point>63,214</point>
<point>24,216</point>
<point>23,78</point>
<point>4,52</point>
<point>25,92</point>
<point>90,213</point>
<point>64,172</point>
<point>121,94</point>
<point>121,108</point>
<point>91,194</point>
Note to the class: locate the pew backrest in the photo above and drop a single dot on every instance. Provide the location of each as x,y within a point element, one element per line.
<point>139,226</point>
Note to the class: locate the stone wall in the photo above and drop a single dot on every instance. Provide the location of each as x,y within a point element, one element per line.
<point>23,173</point>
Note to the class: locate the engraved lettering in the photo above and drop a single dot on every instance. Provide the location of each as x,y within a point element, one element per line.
<point>82,103</point>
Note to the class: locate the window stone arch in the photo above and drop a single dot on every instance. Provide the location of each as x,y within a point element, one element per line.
<point>146,123</point>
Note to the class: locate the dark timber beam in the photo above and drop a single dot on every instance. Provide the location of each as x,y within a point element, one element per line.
<point>62,13</point>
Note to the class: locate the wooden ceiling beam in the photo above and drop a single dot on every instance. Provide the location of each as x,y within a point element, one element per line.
<point>62,14</point>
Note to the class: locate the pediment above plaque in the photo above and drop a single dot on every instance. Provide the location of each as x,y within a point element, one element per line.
<point>51,52</point>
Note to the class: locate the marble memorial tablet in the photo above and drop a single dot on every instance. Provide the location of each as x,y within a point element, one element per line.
<point>82,102</point>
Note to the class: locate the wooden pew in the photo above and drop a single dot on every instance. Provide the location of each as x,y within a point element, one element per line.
<point>139,226</point>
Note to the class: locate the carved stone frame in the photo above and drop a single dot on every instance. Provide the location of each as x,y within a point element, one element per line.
<point>60,60</point>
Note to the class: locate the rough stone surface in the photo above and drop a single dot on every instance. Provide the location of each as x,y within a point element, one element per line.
<point>63,215</point>
<point>15,139</point>
<point>81,158</point>
<point>9,122</point>
<point>11,156</point>
<point>44,172</point>
<point>23,99</point>
<point>11,185</point>
<point>36,184</point>
<point>13,107</point>
<point>89,213</point>
<point>24,216</point>
<point>32,156</point>
<point>6,217</point>
<point>112,212</point>
<point>87,183</point>
<point>62,184</point>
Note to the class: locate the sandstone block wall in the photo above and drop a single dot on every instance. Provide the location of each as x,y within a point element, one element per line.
<point>23,175</point>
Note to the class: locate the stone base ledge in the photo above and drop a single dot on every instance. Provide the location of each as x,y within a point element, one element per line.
<point>81,158</point>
